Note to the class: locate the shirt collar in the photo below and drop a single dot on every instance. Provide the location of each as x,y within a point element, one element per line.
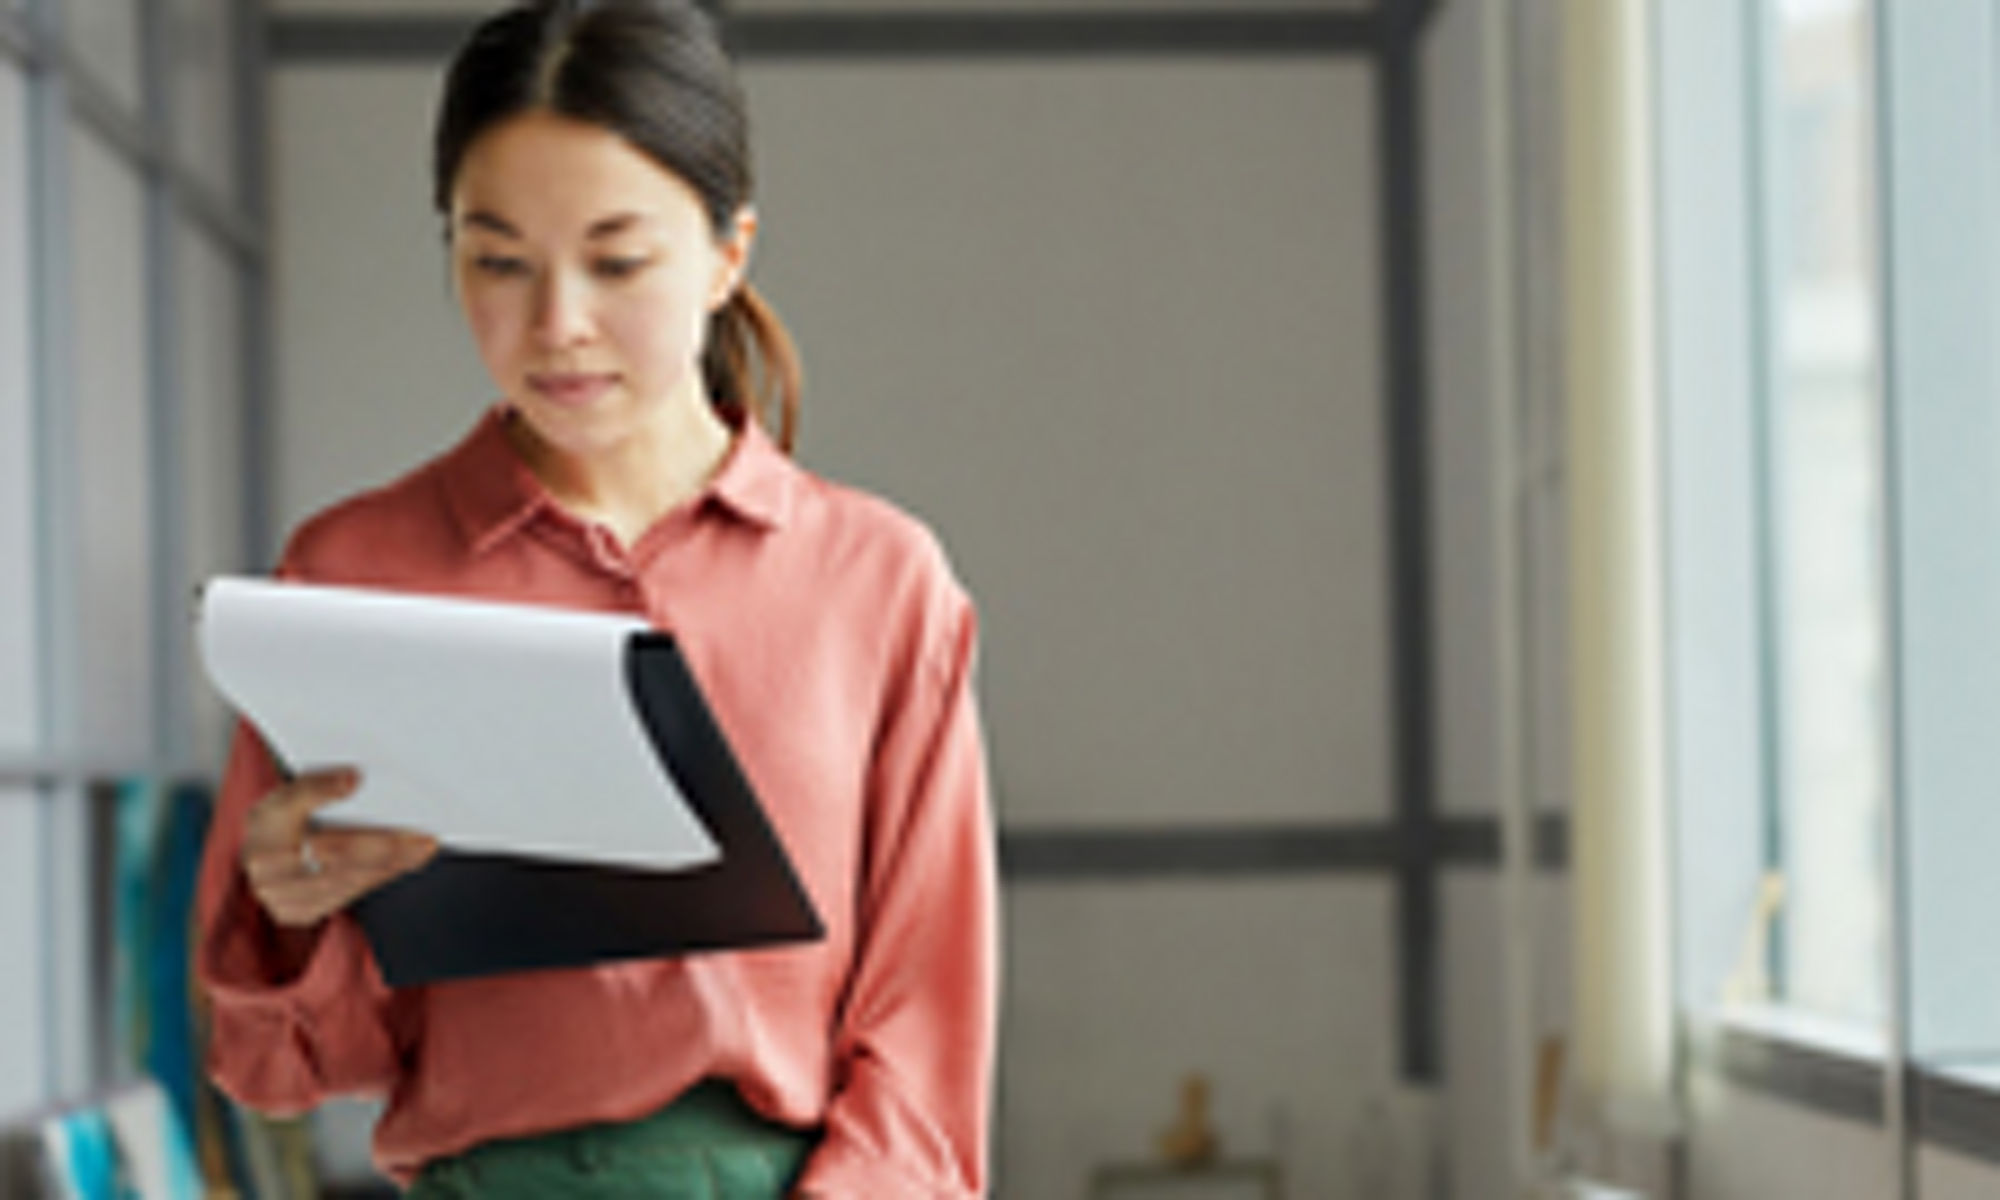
<point>757,480</point>
<point>492,493</point>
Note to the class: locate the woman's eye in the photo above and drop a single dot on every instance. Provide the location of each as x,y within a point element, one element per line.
<point>501,266</point>
<point>620,268</point>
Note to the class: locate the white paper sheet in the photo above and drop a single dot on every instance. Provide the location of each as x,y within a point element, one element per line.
<point>498,728</point>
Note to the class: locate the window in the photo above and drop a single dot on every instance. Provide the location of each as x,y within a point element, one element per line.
<point>105,36</point>
<point>202,44</point>
<point>1830,282</point>
<point>209,343</point>
<point>1942,131</point>
<point>113,472</point>
<point>23,1017</point>
<point>91,197</point>
<point>1822,450</point>
<point>19,669</point>
<point>1774,443</point>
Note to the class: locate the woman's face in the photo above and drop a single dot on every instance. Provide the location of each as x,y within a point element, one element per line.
<point>587,273</point>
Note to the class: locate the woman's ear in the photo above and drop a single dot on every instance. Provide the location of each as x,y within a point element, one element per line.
<point>733,257</point>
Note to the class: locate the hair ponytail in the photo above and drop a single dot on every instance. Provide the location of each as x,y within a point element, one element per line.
<point>752,368</point>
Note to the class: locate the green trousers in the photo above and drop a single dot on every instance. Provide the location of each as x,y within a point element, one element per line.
<point>707,1145</point>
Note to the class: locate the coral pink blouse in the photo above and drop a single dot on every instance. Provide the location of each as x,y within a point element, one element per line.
<point>835,648</point>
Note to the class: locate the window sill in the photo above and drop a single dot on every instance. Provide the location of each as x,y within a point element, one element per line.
<point>1827,1066</point>
<point>1837,1069</point>
<point>1958,1108</point>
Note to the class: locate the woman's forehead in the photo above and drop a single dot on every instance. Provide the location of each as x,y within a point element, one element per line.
<point>544,169</point>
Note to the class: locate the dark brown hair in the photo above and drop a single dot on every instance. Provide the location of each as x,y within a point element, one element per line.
<point>655,73</point>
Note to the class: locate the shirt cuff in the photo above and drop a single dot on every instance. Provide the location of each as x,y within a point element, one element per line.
<point>242,968</point>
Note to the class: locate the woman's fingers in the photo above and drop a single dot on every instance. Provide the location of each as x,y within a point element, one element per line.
<point>280,819</point>
<point>350,863</point>
<point>386,853</point>
<point>302,874</point>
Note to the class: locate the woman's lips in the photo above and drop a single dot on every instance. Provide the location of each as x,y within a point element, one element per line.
<point>571,390</point>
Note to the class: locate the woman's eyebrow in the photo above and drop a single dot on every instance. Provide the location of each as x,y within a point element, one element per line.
<point>481,219</point>
<point>616,224</point>
<point>602,228</point>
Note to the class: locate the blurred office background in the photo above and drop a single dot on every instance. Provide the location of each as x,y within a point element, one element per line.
<point>1481,510</point>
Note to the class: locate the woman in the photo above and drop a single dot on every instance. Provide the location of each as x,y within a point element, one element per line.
<point>591,165</point>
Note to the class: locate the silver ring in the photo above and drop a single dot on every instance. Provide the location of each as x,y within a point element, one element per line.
<point>308,861</point>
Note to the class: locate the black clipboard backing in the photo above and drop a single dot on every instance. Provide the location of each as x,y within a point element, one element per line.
<point>469,915</point>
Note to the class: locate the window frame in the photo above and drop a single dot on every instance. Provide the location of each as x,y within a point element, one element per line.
<point>48,786</point>
<point>1890,1080</point>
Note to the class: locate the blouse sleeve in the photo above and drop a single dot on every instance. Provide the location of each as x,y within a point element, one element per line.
<point>284,1036</point>
<point>281,1042</point>
<point>913,1046</point>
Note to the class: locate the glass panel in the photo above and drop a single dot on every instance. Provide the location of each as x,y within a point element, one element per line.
<point>203,48</point>
<point>1826,616</point>
<point>73,1013</point>
<point>19,673</point>
<point>1943,115</point>
<point>114,592</point>
<point>209,341</point>
<point>1710,351</point>
<point>24,1023</point>
<point>105,35</point>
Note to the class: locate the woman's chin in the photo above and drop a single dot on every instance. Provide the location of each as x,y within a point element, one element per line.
<point>571,431</point>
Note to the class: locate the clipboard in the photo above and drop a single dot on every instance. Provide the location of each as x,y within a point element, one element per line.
<point>303,662</point>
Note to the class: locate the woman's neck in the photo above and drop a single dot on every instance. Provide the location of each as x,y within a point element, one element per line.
<point>629,485</point>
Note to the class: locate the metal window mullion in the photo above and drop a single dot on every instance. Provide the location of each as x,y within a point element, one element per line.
<point>257,391</point>
<point>1405,422</point>
<point>1543,439</point>
<point>1898,1090</point>
<point>172,738</point>
<point>1673,666</point>
<point>150,148</point>
<point>101,111</point>
<point>1507,179</point>
<point>199,204</point>
<point>65,908</point>
<point>1221,29</point>
<point>1767,467</point>
<point>51,770</point>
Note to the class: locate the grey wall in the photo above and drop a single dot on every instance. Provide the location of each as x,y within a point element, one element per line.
<point>1111,327</point>
<point>374,369</point>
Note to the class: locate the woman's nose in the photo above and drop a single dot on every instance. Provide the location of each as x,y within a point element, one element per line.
<point>562,310</point>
